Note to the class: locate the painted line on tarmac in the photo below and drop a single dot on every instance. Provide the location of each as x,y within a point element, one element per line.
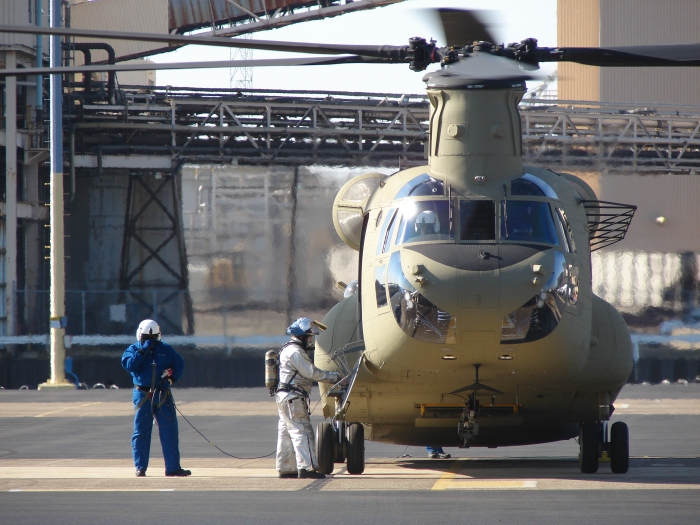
<point>448,476</point>
<point>68,408</point>
<point>495,484</point>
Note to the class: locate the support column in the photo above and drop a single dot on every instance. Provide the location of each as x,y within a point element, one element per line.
<point>10,194</point>
<point>58,308</point>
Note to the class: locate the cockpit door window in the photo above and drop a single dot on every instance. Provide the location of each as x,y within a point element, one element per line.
<point>528,221</point>
<point>477,220</point>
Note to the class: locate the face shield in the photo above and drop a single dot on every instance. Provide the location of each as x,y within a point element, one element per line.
<point>427,223</point>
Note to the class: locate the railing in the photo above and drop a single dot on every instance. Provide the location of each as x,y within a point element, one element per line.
<point>198,125</point>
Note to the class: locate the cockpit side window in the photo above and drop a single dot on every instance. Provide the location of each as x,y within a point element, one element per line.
<point>391,232</point>
<point>382,239</point>
<point>567,234</point>
<point>477,220</point>
<point>528,221</point>
<point>422,186</point>
<point>424,221</point>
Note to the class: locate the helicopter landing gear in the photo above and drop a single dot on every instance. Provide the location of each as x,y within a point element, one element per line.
<point>468,428</point>
<point>589,438</point>
<point>325,441</point>
<point>595,446</point>
<point>338,441</point>
<point>619,448</point>
<point>356,448</point>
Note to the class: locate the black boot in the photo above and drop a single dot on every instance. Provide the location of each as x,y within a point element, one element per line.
<point>311,474</point>
<point>179,473</point>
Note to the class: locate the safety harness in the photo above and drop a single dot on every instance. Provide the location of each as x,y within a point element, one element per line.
<point>154,388</point>
<point>289,387</point>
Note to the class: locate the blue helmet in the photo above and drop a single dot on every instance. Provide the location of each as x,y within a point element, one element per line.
<point>303,326</point>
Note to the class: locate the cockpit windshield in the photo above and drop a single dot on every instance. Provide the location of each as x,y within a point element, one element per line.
<point>529,221</point>
<point>424,221</point>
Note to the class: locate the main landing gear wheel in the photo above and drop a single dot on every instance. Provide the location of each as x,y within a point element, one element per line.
<point>356,448</point>
<point>619,448</point>
<point>325,447</point>
<point>589,438</point>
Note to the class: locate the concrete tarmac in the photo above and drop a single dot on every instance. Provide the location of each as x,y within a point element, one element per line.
<point>65,457</point>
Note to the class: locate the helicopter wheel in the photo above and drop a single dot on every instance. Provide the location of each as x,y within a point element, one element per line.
<point>356,448</point>
<point>619,448</point>
<point>325,446</point>
<point>588,443</point>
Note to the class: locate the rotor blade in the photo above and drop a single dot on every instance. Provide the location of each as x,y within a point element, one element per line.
<point>274,62</point>
<point>678,55</point>
<point>462,26</point>
<point>476,386</point>
<point>389,52</point>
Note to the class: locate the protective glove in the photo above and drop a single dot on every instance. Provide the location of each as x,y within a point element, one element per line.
<point>149,344</point>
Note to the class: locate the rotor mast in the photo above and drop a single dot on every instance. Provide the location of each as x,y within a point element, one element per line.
<point>475,131</point>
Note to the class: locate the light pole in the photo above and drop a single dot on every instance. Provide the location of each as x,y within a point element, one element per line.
<point>58,277</point>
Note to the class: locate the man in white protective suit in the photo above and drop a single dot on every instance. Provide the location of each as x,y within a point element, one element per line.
<point>296,456</point>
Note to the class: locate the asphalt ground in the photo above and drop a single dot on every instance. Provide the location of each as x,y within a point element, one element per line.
<point>65,458</point>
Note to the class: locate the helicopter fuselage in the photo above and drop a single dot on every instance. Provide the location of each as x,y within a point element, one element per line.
<point>473,265</point>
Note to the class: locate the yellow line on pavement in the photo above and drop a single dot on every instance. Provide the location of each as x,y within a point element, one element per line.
<point>477,484</point>
<point>67,408</point>
<point>448,476</point>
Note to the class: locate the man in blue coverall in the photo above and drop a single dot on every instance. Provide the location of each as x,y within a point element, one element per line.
<point>154,366</point>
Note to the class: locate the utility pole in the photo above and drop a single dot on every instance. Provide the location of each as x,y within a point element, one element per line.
<point>10,195</point>
<point>58,278</point>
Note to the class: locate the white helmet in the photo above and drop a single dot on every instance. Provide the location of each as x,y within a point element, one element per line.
<point>427,223</point>
<point>148,327</point>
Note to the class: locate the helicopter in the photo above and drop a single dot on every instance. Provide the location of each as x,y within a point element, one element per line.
<point>472,321</point>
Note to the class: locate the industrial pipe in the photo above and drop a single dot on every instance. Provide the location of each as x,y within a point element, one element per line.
<point>71,158</point>
<point>38,15</point>
<point>111,59</point>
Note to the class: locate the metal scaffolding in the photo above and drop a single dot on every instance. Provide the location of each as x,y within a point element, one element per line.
<point>269,126</point>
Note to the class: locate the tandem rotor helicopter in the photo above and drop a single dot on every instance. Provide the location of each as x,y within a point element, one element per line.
<point>472,321</point>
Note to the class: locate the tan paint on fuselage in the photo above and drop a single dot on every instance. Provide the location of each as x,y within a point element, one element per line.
<point>558,379</point>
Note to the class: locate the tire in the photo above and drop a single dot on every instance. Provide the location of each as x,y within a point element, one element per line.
<point>356,448</point>
<point>589,437</point>
<point>619,448</point>
<point>325,445</point>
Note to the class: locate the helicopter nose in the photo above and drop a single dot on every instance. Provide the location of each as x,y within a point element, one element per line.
<point>477,257</point>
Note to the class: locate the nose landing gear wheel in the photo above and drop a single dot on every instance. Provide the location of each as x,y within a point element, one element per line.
<point>356,448</point>
<point>588,451</point>
<point>619,448</point>
<point>325,447</point>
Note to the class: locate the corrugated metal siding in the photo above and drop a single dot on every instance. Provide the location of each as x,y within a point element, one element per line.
<point>637,22</point>
<point>145,16</point>
<point>578,25</point>
<point>17,13</point>
<point>674,197</point>
<point>197,13</point>
<point>628,22</point>
<point>137,78</point>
